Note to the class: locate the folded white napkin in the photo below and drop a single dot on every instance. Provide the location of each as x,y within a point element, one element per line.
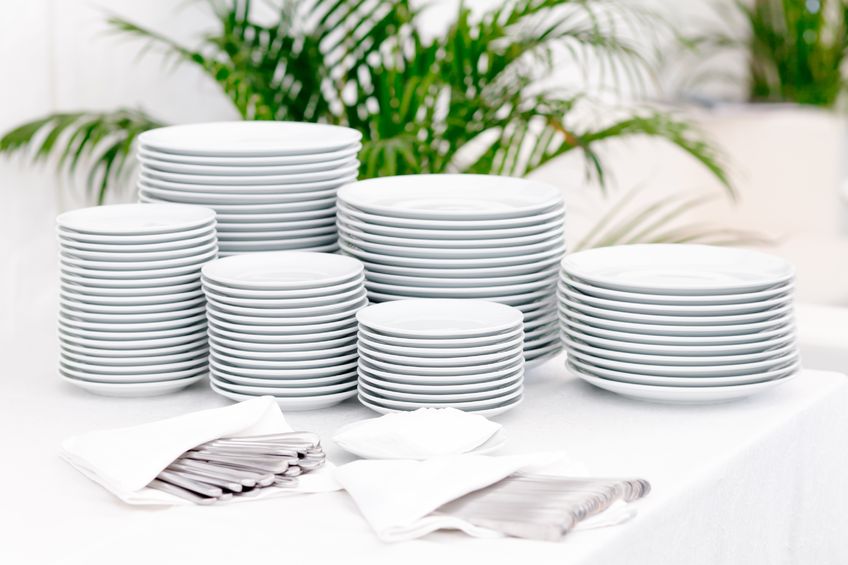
<point>125,460</point>
<point>420,434</point>
<point>396,497</point>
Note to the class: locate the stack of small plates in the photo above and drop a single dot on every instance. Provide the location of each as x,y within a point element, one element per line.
<point>460,237</point>
<point>131,315</point>
<point>282,323</point>
<point>678,323</point>
<point>465,354</point>
<point>273,184</point>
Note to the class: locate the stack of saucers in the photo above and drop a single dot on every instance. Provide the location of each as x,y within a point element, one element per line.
<point>460,237</point>
<point>283,324</point>
<point>678,323</point>
<point>273,184</point>
<point>464,354</point>
<point>131,314</point>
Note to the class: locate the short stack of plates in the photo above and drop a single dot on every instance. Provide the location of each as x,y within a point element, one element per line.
<point>678,323</point>
<point>465,354</point>
<point>460,237</point>
<point>131,315</point>
<point>273,184</point>
<point>283,324</point>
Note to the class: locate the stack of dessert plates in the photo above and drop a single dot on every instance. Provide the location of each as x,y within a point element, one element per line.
<point>464,354</point>
<point>282,323</point>
<point>273,184</point>
<point>131,310</point>
<point>460,237</point>
<point>678,323</point>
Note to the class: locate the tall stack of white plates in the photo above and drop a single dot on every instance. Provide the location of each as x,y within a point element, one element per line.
<point>273,184</point>
<point>131,310</point>
<point>678,323</point>
<point>464,354</point>
<point>283,324</point>
<point>460,237</point>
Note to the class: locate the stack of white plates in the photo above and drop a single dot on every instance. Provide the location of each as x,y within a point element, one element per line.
<point>283,324</point>
<point>273,184</point>
<point>678,323</point>
<point>460,237</point>
<point>465,354</point>
<point>131,315</point>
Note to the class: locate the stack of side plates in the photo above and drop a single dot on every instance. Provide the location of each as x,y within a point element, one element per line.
<point>273,184</point>
<point>460,237</point>
<point>678,323</point>
<point>283,324</point>
<point>131,314</point>
<point>465,354</point>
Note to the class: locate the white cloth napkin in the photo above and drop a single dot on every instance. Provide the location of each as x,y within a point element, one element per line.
<point>396,497</point>
<point>125,460</point>
<point>420,434</point>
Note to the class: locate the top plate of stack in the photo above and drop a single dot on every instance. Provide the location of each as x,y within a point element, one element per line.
<point>678,323</point>
<point>460,237</point>
<point>272,184</point>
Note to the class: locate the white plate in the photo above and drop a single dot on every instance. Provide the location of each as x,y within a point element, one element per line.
<point>236,201</point>
<point>154,164</point>
<point>731,319</point>
<point>348,151</point>
<point>288,330</point>
<point>480,292</point>
<point>257,341</point>
<point>299,373</point>
<point>434,252</point>
<point>455,371</point>
<point>155,376</point>
<point>251,180</point>
<point>487,412</point>
<point>287,270</point>
<point>683,395</point>
<point>283,390</point>
<point>184,244</point>
<point>190,319</point>
<point>125,301</point>
<point>169,239</point>
<point>266,315</point>
<point>439,318</point>
<point>638,378</point>
<point>227,362</point>
<point>354,291</point>
<point>664,349</point>
<point>271,323</point>
<point>752,338</point>
<point>231,292</point>
<point>778,351</point>
<point>530,302</point>
<point>140,276</point>
<point>258,189</point>
<point>282,357</point>
<point>259,246</point>
<point>250,138</point>
<point>745,330</point>
<point>374,341</point>
<point>225,252</point>
<point>349,376</point>
<point>286,234</point>
<point>474,228</point>
<point>678,299</point>
<point>437,387</point>
<point>460,405</point>
<point>152,285</point>
<point>470,283</point>
<point>141,369</point>
<point>293,403</point>
<point>441,397</point>
<point>495,273</point>
<point>497,441</point>
<point>110,264</point>
<point>541,355</point>
<point>135,337</point>
<point>120,350</point>
<point>482,342</point>
<point>675,309</point>
<point>452,361</point>
<point>119,313</point>
<point>137,361</point>
<point>121,258</point>
<point>261,348</point>
<point>678,269</point>
<point>135,219</point>
<point>133,390</point>
<point>451,197</point>
<point>686,371</point>
<point>432,262</point>
<point>446,380</point>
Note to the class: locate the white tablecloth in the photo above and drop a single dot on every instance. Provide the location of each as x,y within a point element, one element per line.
<point>759,481</point>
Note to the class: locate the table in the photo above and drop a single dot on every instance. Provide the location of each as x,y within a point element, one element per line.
<point>763,480</point>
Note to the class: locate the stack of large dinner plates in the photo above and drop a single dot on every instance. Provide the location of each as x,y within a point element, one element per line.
<point>131,314</point>
<point>283,324</point>
<point>273,184</point>
<point>461,237</point>
<point>678,323</point>
<point>465,354</point>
